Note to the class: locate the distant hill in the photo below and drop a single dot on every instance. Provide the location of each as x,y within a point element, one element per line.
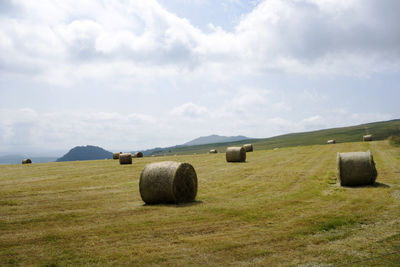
<point>86,153</point>
<point>213,139</point>
<point>203,140</point>
<point>380,131</point>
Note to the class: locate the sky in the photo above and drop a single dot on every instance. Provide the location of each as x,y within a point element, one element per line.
<point>130,75</point>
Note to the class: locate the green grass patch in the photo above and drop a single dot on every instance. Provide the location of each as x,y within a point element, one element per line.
<point>334,223</point>
<point>8,203</point>
<point>241,214</point>
<point>394,140</point>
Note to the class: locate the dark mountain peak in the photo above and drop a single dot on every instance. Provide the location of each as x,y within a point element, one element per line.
<point>86,153</point>
<point>214,138</point>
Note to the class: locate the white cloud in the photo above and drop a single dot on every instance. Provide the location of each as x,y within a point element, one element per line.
<point>299,36</point>
<point>319,37</point>
<point>281,107</point>
<point>189,110</point>
<point>27,129</point>
<point>174,75</point>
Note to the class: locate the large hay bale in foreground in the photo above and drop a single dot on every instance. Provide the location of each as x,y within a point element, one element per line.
<point>116,155</point>
<point>125,158</point>
<point>138,155</point>
<point>248,147</point>
<point>331,141</point>
<point>235,154</point>
<point>168,182</point>
<point>26,161</point>
<point>367,138</point>
<point>356,168</point>
<point>213,151</point>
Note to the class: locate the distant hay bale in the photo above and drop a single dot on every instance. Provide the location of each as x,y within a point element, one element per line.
<point>235,154</point>
<point>116,155</point>
<point>331,141</point>
<point>125,158</point>
<point>248,147</point>
<point>168,182</point>
<point>356,168</point>
<point>213,151</point>
<point>138,155</point>
<point>367,138</point>
<point>26,161</point>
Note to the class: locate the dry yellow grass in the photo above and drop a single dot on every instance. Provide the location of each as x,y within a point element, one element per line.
<point>281,207</point>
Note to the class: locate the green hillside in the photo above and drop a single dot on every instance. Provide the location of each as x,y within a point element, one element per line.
<point>86,153</point>
<point>215,139</point>
<point>280,208</point>
<point>379,130</point>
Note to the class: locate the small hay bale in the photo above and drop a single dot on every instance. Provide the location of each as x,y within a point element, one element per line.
<point>138,155</point>
<point>356,168</point>
<point>26,161</point>
<point>331,141</point>
<point>168,182</point>
<point>248,147</point>
<point>125,158</point>
<point>213,151</point>
<point>116,155</point>
<point>235,154</point>
<point>367,138</point>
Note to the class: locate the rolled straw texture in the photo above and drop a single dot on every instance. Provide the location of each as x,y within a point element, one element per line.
<point>356,168</point>
<point>168,182</point>
<point>248,147</point>
<point>367,138</point>
<point>26,161</point>
<point>235,154</point>
<point>125,158</point>
<point>138,155</point>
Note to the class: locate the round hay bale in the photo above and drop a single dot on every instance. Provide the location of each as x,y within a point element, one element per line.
<point>168,182</point>
<point>235,154</point>
<point>138,155</point>
<point>116,155</point>
<point>356,168</point>
<point>248,147</point>
<point>367,138</point>
<point>125,158</point>
<point>213,151</point>
<point>331,141</point>
<point>26,161</point>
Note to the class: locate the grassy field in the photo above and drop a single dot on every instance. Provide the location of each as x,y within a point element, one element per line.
<point>281,207</point>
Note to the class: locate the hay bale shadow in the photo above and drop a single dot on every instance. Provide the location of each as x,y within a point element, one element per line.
<point>375,185</point>
<point>178,205</point>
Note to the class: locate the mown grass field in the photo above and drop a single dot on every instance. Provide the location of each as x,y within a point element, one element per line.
<point>281,207</point>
